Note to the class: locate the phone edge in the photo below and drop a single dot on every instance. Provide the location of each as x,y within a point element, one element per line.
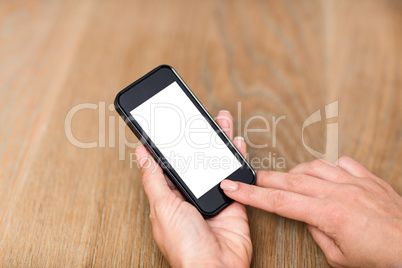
<point>143,141</point>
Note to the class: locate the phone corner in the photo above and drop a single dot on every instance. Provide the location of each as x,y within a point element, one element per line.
<point>116,101</point>
<point>215,212</point>
<point>166,66</point>
<point>254,174</point>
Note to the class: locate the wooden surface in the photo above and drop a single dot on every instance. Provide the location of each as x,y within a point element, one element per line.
<point>61,205</point>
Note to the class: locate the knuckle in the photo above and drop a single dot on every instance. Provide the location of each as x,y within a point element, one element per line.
<point>385,185</point>
<point>277,198</point>
<point>345,159</point>
<point>252,193</point>
<point>316,164</point>
<point>294,181</point>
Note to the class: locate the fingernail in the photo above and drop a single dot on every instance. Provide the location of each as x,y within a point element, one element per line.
<point>229,186</point>
<point>238,141</point>
<point>224,111</point>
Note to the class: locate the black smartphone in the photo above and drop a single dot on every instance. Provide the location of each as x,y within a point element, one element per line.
<point>183,138</point>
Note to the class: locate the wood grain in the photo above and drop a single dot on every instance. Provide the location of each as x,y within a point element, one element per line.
<point>61,205</point>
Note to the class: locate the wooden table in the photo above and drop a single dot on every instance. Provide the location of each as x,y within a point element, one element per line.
<point>64,205</point>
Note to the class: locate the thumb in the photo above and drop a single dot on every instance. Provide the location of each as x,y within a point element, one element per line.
<point>328,246</point>
<point>153,179</point>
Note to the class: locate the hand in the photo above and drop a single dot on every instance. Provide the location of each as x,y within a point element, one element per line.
<point>185,238</point>
<point>355,217</point>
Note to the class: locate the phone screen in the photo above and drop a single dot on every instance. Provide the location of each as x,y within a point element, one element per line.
<point>186,139</point>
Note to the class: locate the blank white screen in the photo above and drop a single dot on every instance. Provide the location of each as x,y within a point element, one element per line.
<point>186,139</point>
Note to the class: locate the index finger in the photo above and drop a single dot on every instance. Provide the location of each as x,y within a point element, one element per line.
<point>225,121</point>
<point>284,203</point>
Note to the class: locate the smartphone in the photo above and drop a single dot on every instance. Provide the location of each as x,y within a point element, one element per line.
<point>183,138</point>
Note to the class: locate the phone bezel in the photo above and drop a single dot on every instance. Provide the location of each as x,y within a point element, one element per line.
<point>147,86</point>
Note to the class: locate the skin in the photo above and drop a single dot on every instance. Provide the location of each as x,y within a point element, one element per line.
<point>354,216</point>
<point>185,238</point>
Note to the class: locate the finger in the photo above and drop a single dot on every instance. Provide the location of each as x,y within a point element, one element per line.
<point>153,179</point>
<point>353,167</point>
<point>295,182</point>
<point>178,194</point>
<point>142,155</point>
<point>225,121</point>
<point>323,170</point>
<point>240,145</point>
<point>328,246</point>
<point>173,188</point>
<point>170,183</point>
<point>356,169</point>
<point>288,204</point>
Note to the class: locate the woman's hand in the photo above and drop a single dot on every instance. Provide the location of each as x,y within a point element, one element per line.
<point>354,216</point>
<point>185,238</point>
